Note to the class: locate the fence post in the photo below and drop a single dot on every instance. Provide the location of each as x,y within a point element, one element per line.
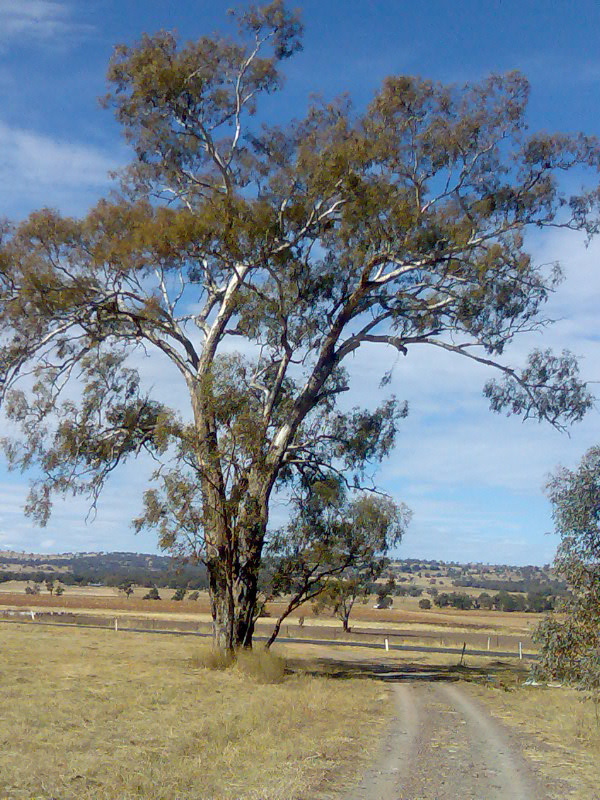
<point>116,624</point>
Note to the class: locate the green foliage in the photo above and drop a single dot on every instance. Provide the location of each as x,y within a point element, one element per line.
<point>127,588</point>
<point>570,641</point>
<point>152,594</point>
<point>504,601</point>
<point>179,594</point>
<point>455,599</point>
<point>332,549</point>
<point>341,592</point>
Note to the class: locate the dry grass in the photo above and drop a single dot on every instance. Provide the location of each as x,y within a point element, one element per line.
<point>560,731</point>
<point>94,714</point>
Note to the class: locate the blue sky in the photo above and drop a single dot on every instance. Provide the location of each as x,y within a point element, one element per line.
<point>472,479</point>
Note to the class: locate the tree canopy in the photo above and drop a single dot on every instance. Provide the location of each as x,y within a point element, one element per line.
<point>570,640</point>
<point>257,258</point>
<point>332,548</point>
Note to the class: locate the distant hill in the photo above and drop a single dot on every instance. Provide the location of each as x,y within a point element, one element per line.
<point>113,569</point>
<point>109,569</point>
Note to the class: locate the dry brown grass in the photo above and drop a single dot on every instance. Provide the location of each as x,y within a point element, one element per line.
<point>103,715</point>
<point>560,730</point>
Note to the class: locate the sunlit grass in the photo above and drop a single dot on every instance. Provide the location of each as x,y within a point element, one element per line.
<point>561,730</point>
<point>98,714</point>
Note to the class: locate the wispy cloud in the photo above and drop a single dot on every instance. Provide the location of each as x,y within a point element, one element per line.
<point>39,20</point>
<point>36,170</point>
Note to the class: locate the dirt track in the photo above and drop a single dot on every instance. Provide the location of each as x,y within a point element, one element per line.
<point>443,746</point>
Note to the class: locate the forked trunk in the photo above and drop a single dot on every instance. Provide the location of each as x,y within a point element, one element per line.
<point>233,606</point>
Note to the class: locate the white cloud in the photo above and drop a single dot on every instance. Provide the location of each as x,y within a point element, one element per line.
<point>36,170</point>
<point>40,20</point>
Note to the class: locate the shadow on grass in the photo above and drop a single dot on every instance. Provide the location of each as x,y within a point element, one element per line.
<point>497,671</point>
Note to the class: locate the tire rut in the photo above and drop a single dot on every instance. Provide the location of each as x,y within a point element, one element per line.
<point>443,746</point>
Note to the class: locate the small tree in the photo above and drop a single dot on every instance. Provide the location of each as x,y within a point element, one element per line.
<point>60,589</point>
<point>341,593</point>
<point>152,594</point>
<point>127,588</point>
<point>570,641</point>
<point>179,593</point>
<point>333,545</point>
<point>425,603</point>
<point>50,586</point>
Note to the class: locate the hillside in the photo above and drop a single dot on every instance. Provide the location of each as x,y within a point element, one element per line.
<point>110,569</point>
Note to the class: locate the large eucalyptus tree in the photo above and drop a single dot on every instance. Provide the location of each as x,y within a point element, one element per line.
<point>258,258</point>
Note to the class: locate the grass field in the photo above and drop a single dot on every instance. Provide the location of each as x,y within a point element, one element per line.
<point>560,730</point>
<point>90,714</point>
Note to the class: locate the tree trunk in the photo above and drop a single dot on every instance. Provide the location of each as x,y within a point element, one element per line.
<point>233,564</point>
<point>233,605</point>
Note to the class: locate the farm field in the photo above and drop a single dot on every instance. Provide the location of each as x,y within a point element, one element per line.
<point>405,624</point>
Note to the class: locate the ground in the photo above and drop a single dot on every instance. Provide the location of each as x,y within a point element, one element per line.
<point>442,744</point>
<point>113,715</point>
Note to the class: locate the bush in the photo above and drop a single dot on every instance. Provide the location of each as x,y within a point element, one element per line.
<point>152,594</point>
<point>261,665</point>
<point>424,603</point>
<point>210,658</point>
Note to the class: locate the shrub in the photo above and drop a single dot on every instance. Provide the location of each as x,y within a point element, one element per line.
<point>424,603</point>
<point>209,658</point>
<point>261,665</point>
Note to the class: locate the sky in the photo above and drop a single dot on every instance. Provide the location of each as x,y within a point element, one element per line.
<point>473,480</point>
